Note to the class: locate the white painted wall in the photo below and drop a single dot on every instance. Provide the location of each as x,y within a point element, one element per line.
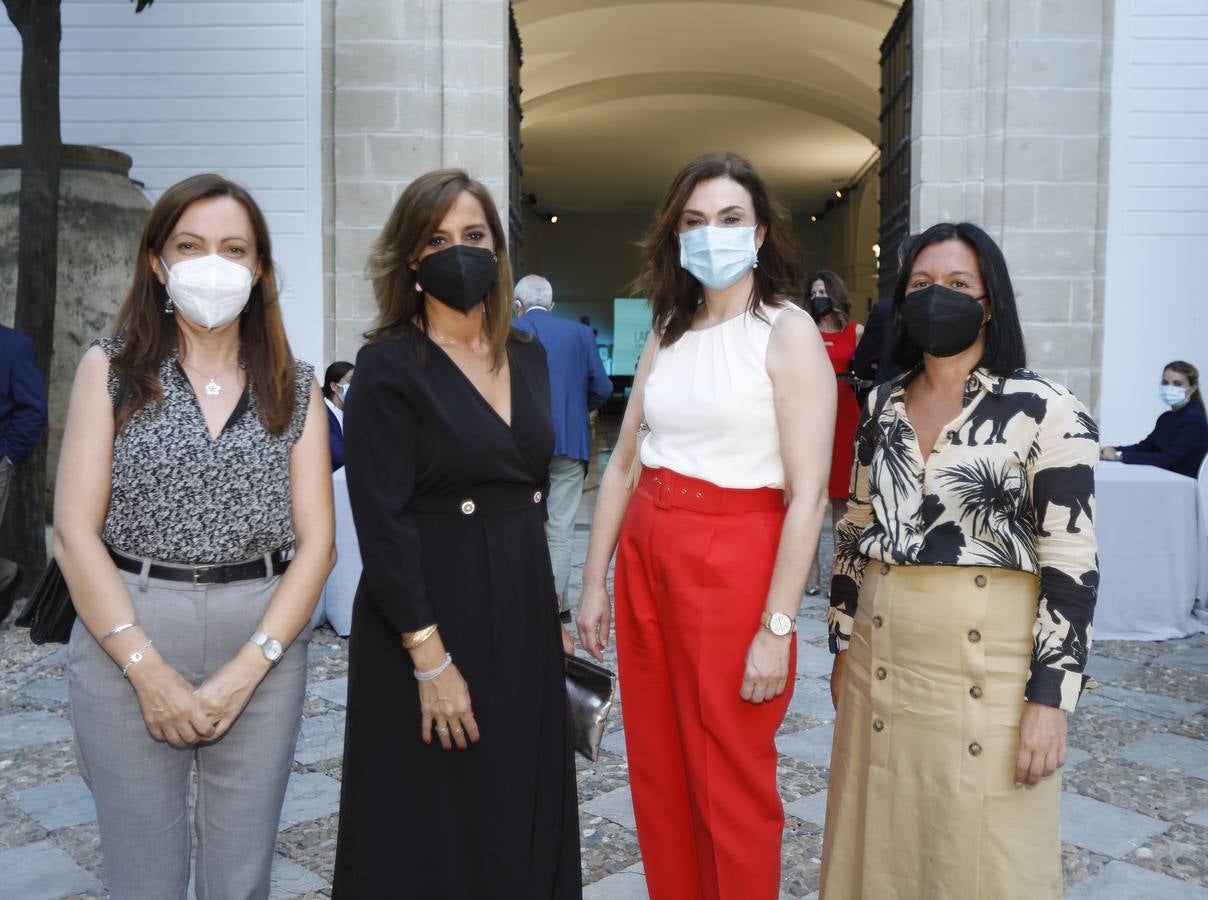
<point>1156,303</point>
<point>191,86</point>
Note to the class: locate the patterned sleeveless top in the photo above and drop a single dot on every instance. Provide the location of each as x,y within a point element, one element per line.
<point>180,496</point>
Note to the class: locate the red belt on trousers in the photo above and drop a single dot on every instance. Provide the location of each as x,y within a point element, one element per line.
<point>668,489</point>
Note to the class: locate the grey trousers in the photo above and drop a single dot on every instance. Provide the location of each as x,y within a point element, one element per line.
<point>8,568</point>
<point>565,491</point>
<point>141,785</point>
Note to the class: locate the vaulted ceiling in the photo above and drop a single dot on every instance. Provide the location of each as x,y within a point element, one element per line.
<point>619,94</point>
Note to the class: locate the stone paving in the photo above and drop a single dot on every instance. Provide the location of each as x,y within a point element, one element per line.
<point>1134,818</point>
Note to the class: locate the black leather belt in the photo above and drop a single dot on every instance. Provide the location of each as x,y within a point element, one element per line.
<point>252,570</point>
<point>482,499</point>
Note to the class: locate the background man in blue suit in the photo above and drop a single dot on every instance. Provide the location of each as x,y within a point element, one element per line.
<point>578,384</point>
<point>22,418</point>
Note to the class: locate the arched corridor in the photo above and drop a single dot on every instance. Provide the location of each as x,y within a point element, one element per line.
<point>618,95</point>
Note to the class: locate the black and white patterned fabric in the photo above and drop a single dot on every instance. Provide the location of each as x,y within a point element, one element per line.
<point>180,496</point>
<point>1010,483</point>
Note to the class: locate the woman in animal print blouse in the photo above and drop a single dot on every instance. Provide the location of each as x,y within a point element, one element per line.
<point>964,584</point>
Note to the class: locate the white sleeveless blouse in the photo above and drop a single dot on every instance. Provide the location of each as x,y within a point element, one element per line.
<point>709,405</point>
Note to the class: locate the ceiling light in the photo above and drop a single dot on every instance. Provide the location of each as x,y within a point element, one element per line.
<point>838,195</point>
<point>553,219</point>
<point>813,218</point>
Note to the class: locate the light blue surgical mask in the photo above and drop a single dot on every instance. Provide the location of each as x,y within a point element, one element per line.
<point>718,257</point>
<point>1173,395</point>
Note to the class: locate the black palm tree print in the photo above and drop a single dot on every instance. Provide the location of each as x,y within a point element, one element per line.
<point>1024,447</point>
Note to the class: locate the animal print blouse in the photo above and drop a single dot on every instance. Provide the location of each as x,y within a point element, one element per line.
<point>181,496</point>
<point>1010,483</point>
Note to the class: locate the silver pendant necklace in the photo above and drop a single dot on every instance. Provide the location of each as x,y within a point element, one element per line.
<point>212,388</point>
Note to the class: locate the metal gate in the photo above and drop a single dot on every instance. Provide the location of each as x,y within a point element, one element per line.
<point>896,59</point>
<point>515,223</point>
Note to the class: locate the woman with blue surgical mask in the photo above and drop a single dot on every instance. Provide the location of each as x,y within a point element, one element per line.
<point>715,493</point>
<point>1179,440</point>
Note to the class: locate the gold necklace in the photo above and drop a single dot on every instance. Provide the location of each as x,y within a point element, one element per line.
<point>212,388</point>
<point>450,342</point>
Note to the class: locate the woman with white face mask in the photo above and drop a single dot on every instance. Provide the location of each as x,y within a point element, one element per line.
<point>737,402</point>
<point>193,524</point>
<point>336,381</point>
<point>1179,440</point>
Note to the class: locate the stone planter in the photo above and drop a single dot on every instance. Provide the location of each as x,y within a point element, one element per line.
<point>101,217</point>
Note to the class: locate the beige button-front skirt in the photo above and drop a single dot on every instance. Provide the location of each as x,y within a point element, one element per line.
<point>922,802</point>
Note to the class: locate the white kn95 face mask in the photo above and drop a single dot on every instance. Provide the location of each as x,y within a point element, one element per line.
<point>210,291</point>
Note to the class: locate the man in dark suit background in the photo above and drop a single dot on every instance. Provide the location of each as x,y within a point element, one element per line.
<point>871,362</point>
<point>578,384</point>
<point>22,418</point>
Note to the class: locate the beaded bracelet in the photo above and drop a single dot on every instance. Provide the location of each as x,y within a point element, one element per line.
<point>434,673</point>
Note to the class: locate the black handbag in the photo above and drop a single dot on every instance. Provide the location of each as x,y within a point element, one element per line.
<point>589,692</point>
<point>49,613</point>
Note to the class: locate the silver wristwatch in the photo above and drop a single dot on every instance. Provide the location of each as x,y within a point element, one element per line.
<point>272,649</point>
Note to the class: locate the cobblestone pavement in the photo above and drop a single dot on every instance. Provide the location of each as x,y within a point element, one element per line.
<point>1134,818</point>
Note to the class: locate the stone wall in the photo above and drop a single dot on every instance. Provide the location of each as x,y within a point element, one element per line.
<point>101,217</point>
<point>1010,119</point>
<point>416,85</point>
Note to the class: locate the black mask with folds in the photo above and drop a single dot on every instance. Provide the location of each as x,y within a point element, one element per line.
<point>459,277</point>
<point>821,306</point>
<point>941,321</point>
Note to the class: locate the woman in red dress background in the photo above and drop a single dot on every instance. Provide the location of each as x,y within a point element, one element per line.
<point>831,309</point>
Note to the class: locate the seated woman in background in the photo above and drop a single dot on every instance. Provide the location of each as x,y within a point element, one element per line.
<point>335,388</point>
<point>1179,440</point>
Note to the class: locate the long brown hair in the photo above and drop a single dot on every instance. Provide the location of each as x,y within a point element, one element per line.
<point>674,294</point>
<point>415,218</point>
<point>148,335</point>
<point>1193,377</point>
<point>836,290</point>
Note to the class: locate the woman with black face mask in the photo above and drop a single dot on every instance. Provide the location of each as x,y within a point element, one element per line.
<point>964,585</point>
<point>831,309</point>
<point>455,631</point>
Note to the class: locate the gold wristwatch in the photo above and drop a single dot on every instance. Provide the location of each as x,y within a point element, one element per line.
<point>778,623</point>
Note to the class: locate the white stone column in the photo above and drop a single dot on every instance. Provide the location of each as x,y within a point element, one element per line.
<point>418,85</point>
<point>1009,122</point>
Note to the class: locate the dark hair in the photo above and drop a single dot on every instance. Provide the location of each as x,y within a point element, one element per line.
<point>1193,377</point>
<point>1004,352</point>
<point>905,245</point>
<point>335,372</point>
<point>415,217</point>
<point>836,290</point>
<point>674,294</point>
<point>148,335</point>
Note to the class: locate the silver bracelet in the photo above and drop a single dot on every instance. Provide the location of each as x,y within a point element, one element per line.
<point>136,657</point>
<point>116,630</point>
<point>434,673</point>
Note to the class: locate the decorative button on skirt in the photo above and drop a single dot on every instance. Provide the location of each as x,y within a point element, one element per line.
<point>922,802</point>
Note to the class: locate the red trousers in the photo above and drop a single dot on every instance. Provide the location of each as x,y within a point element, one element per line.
<point>693,570</point>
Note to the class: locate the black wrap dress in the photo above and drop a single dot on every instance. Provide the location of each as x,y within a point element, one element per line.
<point>446,497</point>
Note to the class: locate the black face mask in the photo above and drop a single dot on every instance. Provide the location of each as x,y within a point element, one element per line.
<point>941,321</point>
<point>821,306</point>
<point>459,277</point>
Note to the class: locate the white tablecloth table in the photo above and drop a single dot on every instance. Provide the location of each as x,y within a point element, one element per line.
<point>335,603</point>
<point>1147,525</point>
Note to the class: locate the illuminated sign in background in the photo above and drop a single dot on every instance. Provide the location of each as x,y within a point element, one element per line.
<point>630,328</point>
